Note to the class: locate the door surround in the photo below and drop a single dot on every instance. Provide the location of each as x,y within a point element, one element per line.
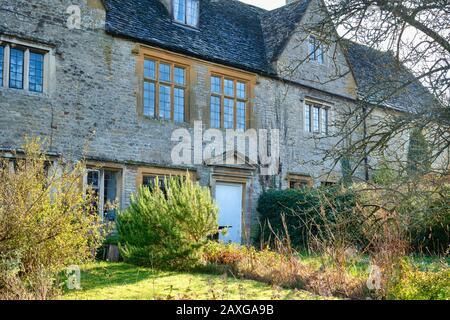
<point>239,177</point>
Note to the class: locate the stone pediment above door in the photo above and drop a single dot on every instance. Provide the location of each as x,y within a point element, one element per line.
<point>232,160</point>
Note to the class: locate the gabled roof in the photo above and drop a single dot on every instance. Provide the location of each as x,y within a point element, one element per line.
<point>383,81</point>
<point>278,26</point>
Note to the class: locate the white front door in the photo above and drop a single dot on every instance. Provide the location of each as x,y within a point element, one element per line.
<point>229,200</point>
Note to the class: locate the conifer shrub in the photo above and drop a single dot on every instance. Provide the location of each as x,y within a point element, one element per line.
<point>166,227</point>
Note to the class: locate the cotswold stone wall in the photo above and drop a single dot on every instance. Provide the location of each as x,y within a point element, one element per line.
<point>90,108</point>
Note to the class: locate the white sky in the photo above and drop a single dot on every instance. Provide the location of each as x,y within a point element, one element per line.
<point>266,4</point>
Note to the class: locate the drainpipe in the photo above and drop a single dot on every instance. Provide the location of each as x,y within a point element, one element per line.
<point>366,156</point>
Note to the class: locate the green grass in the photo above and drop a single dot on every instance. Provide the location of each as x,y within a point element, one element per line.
<point>120,281</point>
<point>359,267</point>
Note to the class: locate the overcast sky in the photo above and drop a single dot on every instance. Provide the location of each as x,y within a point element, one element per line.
<point>266,4</point>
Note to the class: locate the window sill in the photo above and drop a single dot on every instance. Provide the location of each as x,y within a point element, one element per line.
<point>166,122</point>
<point>225,130</point>
<point>316,134</point>
<point>186,26</point>
<point>317,63</point>
<point>24,92</point>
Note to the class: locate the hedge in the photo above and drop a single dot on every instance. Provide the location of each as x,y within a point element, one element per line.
<point>300,210</point>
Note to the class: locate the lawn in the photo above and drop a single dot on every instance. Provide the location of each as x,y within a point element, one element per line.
<point>120,281</point>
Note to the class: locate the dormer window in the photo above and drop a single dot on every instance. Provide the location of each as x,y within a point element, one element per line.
<point>186,12</point>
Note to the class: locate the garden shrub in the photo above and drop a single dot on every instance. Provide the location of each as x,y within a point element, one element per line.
<point>414,284</point>
<point>428,220</point>
<point>167,227</point>
<point>303,212</point>
<point>46,223</point>
<point>419,198</point>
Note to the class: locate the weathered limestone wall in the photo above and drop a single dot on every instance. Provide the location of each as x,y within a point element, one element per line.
<point>90,108</point>
<point>333,75</point>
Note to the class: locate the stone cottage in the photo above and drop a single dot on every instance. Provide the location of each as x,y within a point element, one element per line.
<point>109,81</point>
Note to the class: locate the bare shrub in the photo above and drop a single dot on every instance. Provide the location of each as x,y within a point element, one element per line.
<point>47,222</point>
<point>283,268</point>
<point>342,237</point>
<point>266,265</point>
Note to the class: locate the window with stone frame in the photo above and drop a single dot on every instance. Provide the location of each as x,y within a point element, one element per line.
<point>22,67</point>
<point>165,92</point>
<point>316,50</point>
<point>186,12</point>
<point>328,183</point>
<point>299,181</point>
<point>149,176</point>
<point>316,118</point>
<point>149,181</point>
<point>228,103</point>
<point>105,186</point>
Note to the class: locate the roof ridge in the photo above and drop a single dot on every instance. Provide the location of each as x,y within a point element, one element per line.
<point>283,28</point>
<point>247,4</point>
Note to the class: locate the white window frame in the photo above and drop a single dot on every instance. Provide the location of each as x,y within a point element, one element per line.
<point>27,47</point>
<point>101,188</point>
<point>324,114</point>
<point>185,16</point>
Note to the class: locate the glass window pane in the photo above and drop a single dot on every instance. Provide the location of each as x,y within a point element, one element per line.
<point>324,125</point>
<point>229,114</point>
<point>312,47</point>
<point>178,105</point>
<point>215,112</point>
<point>149,99</point>
<point>179,10</point>
<point>150,69</point>
<point>164,72</point>
<point>93,178</point>
<point>216,86</point>
<point>307,118</point>
<point>179,76</point>
<point>241,90</point>
<point>316,119</point>
<point>241,115</point>
<point>229,87</point>
<point>16,69</point>
<point>110,194</point>
<point>150,182</point>
<point>164,102</point>
<point>320,54</point>
<point>2,52</point>
<point>192,12</point>
<point>36,72</point>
